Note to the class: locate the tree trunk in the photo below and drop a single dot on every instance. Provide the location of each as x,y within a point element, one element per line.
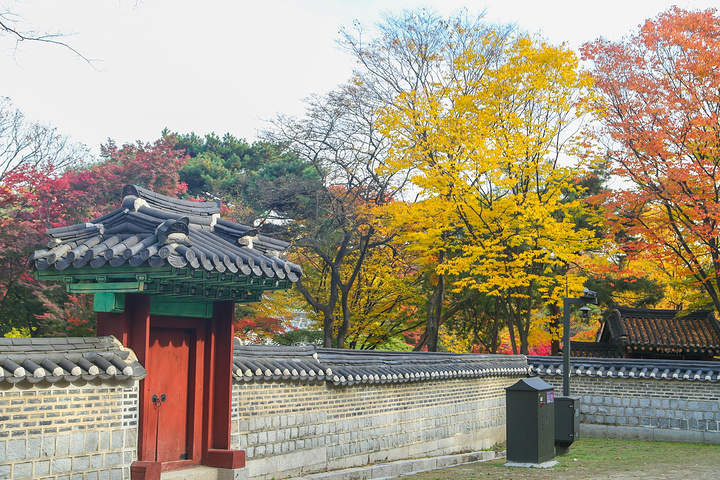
<point>434,313</point>
<point>555,325</point>
<point>342,331</point>
<point>511,325</point>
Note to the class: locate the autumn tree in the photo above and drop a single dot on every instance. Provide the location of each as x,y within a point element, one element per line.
<point>32,157</point>
<point>660,110</point>
<point>37,194</point>
<point>336,232</point>
<point>484,143</point>
<point>412,58</point>
<point>28,144</point>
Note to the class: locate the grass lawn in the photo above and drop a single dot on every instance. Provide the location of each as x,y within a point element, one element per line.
<point>596,458</point>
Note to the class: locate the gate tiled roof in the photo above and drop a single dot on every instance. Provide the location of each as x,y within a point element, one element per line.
<point>154,231</point>
<point>68,359</point>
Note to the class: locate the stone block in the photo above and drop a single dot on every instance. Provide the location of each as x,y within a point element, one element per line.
<point>77,443</point>
<point>48,447</point>
<point>22,470</point>
<point>61,465</point>
<point>237,474</point>
<point>711,437</point>
<point>116,440</point>
<point>16,449</point>
<point>113,459</point>
<point>42,467</point>
<point>671,435</point>
<point>104,442</point>
<point>81,463</point>
<point>63,445</point>
<point>92,441</point>
<point>96,461</point>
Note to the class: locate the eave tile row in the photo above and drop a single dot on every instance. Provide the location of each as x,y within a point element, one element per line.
<point>67,359</point>
<point>626,368</point>
<point>350,367</point>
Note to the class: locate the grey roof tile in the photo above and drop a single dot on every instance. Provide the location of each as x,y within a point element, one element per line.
<point>625,368</point>
<point>645,332</point>
<point>66,358</point>
<point>155,230</point>
<point>349,367</point>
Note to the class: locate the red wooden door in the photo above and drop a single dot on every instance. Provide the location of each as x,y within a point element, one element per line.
<point>168,393</point>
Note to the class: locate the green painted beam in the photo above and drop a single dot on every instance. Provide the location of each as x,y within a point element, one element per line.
<point>109,302</point>
<point>171,306</point>
<point>110,287</point>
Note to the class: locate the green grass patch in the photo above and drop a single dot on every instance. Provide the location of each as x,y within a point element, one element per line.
<point>597,458</point>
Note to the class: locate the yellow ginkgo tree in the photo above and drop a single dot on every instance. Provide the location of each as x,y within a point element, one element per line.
<point>486,152</point>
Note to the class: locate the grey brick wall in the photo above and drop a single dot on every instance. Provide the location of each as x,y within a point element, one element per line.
<point>646,409</point>
<point>76,432</point>
<point>295,428</point>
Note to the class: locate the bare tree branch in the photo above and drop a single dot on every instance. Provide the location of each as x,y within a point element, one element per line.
<point>10,24</point>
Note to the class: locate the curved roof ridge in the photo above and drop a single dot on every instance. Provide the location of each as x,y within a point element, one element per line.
<point>661,312</point>
<point>164,202</point>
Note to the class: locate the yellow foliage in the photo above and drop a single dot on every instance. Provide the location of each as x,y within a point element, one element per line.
<point>486,157</point>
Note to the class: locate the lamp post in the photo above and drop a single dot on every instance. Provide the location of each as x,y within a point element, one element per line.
<point>588,297</point>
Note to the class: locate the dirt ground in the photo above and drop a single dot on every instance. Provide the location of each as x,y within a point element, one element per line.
<point>603,459</point>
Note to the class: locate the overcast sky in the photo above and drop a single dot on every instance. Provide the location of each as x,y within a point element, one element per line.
<point>229,66</point>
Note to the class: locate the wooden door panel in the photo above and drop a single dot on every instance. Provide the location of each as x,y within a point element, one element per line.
<point>167,388</point>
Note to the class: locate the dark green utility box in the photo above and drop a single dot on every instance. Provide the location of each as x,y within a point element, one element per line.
<point>530,408</point>
<point>567,423</point>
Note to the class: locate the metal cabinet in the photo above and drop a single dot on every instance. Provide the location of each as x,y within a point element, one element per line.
<point>567,423</point>
<point>530,421</point>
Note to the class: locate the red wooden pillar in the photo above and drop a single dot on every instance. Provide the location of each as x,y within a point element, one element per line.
<point>132,328</point>
<point>218,395</point>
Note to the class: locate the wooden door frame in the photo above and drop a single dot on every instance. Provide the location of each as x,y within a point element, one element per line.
<point>214,367</point>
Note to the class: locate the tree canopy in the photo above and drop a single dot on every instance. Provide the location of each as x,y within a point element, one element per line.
<point>447,196</point>
<point>659,109</point>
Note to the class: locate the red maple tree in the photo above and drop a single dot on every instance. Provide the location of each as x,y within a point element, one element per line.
<point>659,108</point>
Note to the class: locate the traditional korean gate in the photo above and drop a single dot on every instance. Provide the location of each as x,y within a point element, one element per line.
<point>166,275</point>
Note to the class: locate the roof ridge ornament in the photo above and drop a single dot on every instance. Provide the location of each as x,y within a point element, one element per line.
<point>247,240</point>
<point>173,231</point>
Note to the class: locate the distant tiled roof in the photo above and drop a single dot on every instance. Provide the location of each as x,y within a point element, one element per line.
<point>662,331</point>
<point>595,349</point>
<point>627,368</point>
<point>154,232</point>
<point>69,359</point>
<point>348,367</point>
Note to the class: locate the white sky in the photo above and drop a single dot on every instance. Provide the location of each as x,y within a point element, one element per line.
<point>228,66</point>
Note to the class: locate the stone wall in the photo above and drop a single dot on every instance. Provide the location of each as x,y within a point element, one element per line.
<point>68,408</point>
<point>642,399</point>
<point>294,427</point>
<point>70,432</point>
